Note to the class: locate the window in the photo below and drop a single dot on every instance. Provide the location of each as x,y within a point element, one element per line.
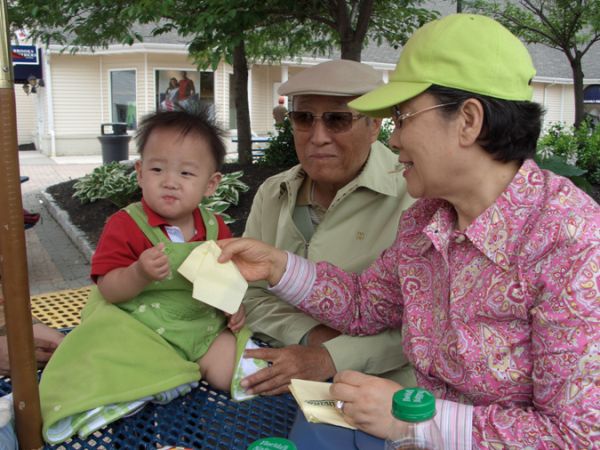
<point>123,98</point>
<point>178,87</point>
<point>207,87</point>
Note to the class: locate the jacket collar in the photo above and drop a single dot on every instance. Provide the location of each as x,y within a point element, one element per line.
<point>498,231</point>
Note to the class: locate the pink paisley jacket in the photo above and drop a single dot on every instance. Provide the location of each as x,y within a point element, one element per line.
<point>501,321</point>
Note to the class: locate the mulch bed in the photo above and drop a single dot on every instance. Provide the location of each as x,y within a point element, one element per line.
<point>90,217</point>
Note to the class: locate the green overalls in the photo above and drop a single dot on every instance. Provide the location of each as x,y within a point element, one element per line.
<point>167,306</point>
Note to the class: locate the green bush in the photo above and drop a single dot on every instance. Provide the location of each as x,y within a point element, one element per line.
<point>114,181</point>
<point>281,151</point>
<point>579,147</point>
<point>118,183</point>
<point>385,132</point>
<point>227,194</point>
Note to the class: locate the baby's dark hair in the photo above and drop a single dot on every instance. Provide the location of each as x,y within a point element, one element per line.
<point>195,118</point>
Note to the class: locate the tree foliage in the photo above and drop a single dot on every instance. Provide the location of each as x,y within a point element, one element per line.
<point>240,32</point>
<point>570,26</point>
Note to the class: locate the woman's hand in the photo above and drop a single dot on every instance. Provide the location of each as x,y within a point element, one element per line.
<point>254,259</point>
<point>367,401</point>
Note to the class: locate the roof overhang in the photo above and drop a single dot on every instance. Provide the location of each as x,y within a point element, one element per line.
<point>119,49</point>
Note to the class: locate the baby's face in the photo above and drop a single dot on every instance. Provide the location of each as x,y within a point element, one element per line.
<point>175,173</point>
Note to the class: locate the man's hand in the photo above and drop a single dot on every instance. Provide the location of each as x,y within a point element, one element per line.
<point>294,361</point>
<point>45,341</point>
<point>43,351</point>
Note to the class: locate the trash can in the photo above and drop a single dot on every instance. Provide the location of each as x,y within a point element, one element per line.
<point>115,142</point>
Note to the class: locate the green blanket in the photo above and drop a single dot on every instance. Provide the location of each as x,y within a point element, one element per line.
<point>109,358</point>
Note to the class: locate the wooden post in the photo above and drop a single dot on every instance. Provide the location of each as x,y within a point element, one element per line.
<point>13,260</point>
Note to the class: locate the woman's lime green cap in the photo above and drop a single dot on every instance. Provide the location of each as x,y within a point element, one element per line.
<point>469,52</point>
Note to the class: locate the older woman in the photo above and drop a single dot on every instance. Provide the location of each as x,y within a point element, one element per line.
<point>494,277</point>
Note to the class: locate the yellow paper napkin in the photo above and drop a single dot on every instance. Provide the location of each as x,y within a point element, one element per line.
<point>316,402</point>
<point>219,285</point>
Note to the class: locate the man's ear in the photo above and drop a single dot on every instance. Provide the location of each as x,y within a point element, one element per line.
<point>472,115</point>
<point>374,128</point>
<point>213,183</point>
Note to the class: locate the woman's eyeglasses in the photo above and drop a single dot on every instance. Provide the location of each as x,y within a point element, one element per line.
<point>398,117</point>
<point>336,122</point>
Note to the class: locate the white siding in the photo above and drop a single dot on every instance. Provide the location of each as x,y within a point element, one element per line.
<point>264,77</point>
<point>76,95</point>
<point>81,97</point>
<point>222,94</point>
<point>558,101</point>
<point>81,94</point>
<point>26,107</point>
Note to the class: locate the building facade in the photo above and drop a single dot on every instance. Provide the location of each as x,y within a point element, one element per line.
<point>120,83</point>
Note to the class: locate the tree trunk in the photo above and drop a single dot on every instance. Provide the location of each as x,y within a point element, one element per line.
<point>352,50</point>
<point>578,89</point>
<point>352,38</point>
<point>240,79</point>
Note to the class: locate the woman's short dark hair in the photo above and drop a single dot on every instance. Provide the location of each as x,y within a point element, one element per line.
<point>510,128</point>
<point>195,118</point>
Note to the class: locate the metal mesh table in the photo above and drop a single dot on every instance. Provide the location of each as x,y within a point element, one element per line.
<point>203,419</point>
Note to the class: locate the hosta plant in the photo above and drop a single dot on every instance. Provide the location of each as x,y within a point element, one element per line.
<point>118,183</point>
<point>115,182</point>
<point>227,194</point>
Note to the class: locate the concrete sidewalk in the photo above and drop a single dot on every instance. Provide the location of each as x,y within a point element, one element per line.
<point>54,261</point>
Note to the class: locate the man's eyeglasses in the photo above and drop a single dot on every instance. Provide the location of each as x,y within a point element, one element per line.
<point>398,117</point>
<point>336,122</point>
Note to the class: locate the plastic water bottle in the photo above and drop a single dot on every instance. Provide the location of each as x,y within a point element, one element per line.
<point>414,427</point>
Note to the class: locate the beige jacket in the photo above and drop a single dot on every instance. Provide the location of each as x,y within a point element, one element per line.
<point>360,223</point>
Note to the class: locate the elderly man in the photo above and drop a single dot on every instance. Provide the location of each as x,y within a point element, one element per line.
<point>342,204</point>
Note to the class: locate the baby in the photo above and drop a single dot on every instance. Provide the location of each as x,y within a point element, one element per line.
<point>141,247</point>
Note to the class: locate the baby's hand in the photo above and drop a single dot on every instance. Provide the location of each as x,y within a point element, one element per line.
<point>236,321</point>
<point>153,264</point>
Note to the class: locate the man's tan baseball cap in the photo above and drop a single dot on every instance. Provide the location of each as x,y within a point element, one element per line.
<point>340,77</point>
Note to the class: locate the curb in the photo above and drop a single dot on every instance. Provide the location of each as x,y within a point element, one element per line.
<point>75,234</point>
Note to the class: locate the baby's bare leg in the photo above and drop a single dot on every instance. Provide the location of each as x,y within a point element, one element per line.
<point>217,364</point>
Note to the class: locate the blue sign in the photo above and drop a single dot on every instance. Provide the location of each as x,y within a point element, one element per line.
<point>24,54</point>
<point>27,62</point>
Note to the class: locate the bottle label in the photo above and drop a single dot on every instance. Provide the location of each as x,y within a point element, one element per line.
<point>272,443</point>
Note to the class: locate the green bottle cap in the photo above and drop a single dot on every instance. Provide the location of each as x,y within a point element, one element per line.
<point>272,443</point>
<point>413,405</point>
